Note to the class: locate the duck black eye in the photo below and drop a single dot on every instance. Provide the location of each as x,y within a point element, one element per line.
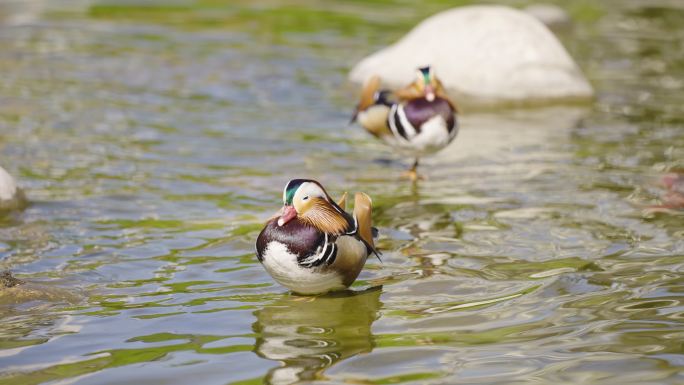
<point>305,198</point>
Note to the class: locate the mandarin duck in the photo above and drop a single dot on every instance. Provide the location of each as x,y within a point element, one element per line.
<point>313,246</point>
<point>673,198</point>
<point>421,122</point>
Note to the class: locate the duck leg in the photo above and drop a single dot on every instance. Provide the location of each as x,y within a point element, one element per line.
<point>411,173</point>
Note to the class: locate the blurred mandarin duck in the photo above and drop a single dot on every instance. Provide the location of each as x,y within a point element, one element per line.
<point>421,122</point>
<point>674,183</point>
<point>313,246</point>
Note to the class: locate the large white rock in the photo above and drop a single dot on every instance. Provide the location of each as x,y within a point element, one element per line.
<point>11,197</point>
<point>484,55</point>
<point>551,15</point>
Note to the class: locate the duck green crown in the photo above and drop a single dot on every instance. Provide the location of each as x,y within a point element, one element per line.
<point>291,189</point>
<point>426,74</point>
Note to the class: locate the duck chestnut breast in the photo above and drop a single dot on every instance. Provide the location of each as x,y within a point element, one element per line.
<point>419,111</point>
<point>299,238</point>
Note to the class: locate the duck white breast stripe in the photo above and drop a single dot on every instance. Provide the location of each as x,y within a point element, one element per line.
<point>408,127</point>
<point>398,132</point>
<point>325,254</point>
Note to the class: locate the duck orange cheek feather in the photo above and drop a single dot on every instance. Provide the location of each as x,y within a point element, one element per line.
<point>289,213</point>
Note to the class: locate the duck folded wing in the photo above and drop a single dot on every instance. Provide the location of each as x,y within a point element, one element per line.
<point>368,92</point>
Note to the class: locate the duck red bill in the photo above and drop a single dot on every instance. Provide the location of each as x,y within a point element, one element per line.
<point>288,214</point>
<point>429,93</point>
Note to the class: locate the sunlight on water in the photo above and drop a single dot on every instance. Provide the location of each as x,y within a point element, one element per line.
<point>154,141</point>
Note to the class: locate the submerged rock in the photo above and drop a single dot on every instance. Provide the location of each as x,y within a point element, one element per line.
<point>11,196</point>
<point>14,291</point>
<point>483,55</point>
<point>8,280</point>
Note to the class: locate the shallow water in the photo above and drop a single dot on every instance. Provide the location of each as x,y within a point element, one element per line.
<point>154,142</point>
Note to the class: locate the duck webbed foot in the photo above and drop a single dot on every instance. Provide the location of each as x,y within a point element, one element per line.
<point>412,173</point>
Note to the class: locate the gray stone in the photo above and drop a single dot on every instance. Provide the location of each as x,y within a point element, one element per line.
<point>11,196</point>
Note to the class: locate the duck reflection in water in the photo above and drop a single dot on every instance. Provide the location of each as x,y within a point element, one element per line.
<point>309,334</point>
